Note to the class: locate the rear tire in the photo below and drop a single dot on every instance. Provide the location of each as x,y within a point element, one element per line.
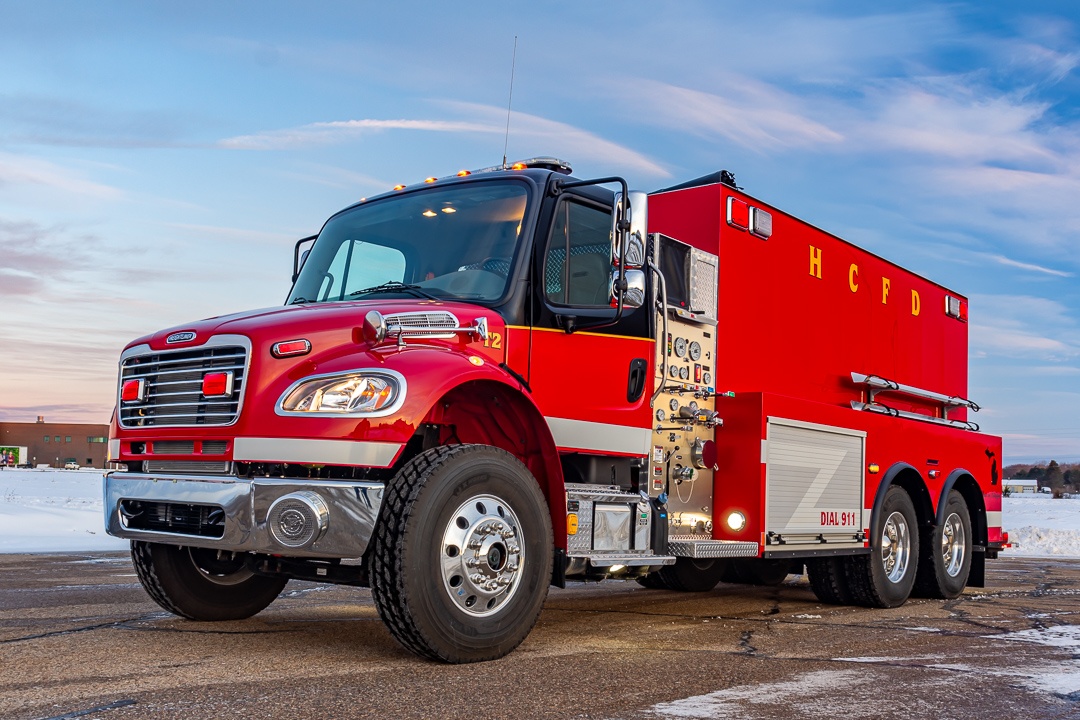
<point>760,571</point>
<point>462,554</point>
<point>693,574</point>
<point>946,558</point>
<point>201,584</point>
<point>828,580</point>
<point>885,577</point>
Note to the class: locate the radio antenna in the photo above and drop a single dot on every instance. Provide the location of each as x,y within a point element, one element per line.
<point>513,66</point>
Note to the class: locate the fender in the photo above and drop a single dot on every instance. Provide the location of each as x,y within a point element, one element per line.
<point>939,516</point>
<point>879,497</point>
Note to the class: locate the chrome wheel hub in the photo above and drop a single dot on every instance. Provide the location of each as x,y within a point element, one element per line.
<point>895,547</point>
<point>219,566</point>
<point>482,555</point>
<point>953,545</point>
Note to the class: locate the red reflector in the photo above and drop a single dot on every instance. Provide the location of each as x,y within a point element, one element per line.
<point>216,384</point>
<point>290,348</point>
<point>133,391</point>
<point>738,213</point>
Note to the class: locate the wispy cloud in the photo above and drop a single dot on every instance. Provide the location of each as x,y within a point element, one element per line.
<point>1009,262</point>
<point>484,119</point>
<point>326,133</point>
<point>749,112</point>
<point>23,170</point>
<point>562,138</point>
<point>1024,327</point>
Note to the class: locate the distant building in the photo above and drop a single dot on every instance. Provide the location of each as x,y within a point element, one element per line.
<point>55,444</point>
<point>1012,485</point>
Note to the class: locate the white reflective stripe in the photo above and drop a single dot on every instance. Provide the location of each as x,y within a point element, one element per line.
<point>584,435</point>
<point>114,450</point>
<point>330,452</point>
<point>993,518</point>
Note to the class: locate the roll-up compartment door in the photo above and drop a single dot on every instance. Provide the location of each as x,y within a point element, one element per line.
<point>813,484</point>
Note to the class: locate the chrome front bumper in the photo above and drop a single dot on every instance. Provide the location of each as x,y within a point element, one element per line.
<point>353,511</point>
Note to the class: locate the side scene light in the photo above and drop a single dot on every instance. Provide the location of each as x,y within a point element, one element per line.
<point>355,393</point>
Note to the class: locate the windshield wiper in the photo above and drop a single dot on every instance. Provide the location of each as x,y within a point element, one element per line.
<point>395,286</point>
<point>297,301</point>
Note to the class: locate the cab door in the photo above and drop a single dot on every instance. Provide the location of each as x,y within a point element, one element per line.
<point>591,383</point>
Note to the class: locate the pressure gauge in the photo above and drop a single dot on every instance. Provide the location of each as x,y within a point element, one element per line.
<point>674,405</point>
<point>680,346</point>
<point>693,406</point>
<point>661,415</point>
<point>674,371</point>
<point>684,372</point>
<point>695,351</point>
<point>706,378</point>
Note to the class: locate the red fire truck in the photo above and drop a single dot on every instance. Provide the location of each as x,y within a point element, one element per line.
<point>489,383</point>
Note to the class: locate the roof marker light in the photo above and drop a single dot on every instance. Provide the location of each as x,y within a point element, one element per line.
<point>429,213</point>
<point>463,173</point>
<point>518,166</point>
<point>399,187</point>
<point>430,180</point>
<point>449,210</point>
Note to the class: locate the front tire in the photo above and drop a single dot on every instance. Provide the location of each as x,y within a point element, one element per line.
<point>885,577</point>
<point>202,584</point>
<point>461,558</point>
<point>946,560</point>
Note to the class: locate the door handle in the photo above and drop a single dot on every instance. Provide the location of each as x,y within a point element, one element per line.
<point>635,385</point>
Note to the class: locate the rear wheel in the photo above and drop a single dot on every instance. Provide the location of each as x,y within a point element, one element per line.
<point>885,577</point>
<point>946,559</point>
<point>201,584</point>
<point>461,558</point>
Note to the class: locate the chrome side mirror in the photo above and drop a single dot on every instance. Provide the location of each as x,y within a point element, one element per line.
<point>633,288</point>
<point>637,205</point>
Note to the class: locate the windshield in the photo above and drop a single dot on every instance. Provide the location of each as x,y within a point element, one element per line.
<point>454,242</point>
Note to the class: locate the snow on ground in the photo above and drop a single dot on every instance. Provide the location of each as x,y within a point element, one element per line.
<point>61,511</point>
<point>53,511</point>
<point>1040,526</point>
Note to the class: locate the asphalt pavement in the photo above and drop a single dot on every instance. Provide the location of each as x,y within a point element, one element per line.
<point>80,639</point>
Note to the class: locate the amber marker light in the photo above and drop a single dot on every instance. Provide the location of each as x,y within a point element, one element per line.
<point>463,173</point>
<point>399,187</point>
<point>430,180</point>
<point>518,166</point>
<point>874,468</point>
<point>449,210</point>
<point>571,524</point>
<point>429,213</point>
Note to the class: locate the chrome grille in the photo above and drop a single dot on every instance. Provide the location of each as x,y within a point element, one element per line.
<point>437,323</point>
<point>173,447</point>
<point>173,394</point>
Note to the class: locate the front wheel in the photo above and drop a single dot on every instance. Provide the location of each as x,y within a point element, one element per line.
<point>461,558</point>
<point>201,584</point>
<point>946,561</point>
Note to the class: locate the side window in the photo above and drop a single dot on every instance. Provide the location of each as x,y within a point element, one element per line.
<point>577,266</point>
<point>347,274</point>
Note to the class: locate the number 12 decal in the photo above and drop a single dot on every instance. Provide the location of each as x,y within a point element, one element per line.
<point>493,341</point>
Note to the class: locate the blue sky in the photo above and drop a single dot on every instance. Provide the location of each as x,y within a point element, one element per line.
<point>157,162</point>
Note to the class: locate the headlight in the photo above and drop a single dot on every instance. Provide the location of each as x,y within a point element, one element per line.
<point>354,393</point>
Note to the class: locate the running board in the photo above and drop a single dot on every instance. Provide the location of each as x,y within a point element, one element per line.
<point>684,546</point>
<point>627,559</point>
